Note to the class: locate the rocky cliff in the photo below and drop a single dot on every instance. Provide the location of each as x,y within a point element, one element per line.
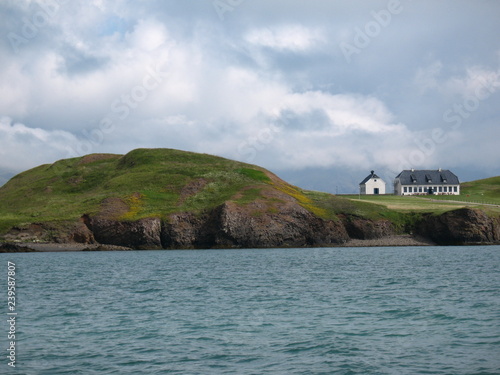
<point>253,225</point>
<point>460,227</point>
<point>229,225</point>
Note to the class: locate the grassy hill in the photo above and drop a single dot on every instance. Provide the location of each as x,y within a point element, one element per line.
<point>142,183</point>
<point>486,190</point>
<point>159,182</point>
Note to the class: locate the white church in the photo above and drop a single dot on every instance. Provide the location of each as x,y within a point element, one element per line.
<point>372,185</point>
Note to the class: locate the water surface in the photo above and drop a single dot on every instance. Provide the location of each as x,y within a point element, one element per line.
<point>413,310</point>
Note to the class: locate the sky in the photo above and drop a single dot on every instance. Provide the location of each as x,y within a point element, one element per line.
<point>319,92</point>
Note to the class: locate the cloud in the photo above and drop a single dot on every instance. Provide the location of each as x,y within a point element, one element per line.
<point>22,147</point>
<point>294,38</point>
<point>147,35</point>
<point>473,80</point>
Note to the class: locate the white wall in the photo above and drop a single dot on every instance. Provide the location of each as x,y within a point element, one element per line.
<point>372,184</point>
<point>420,189</point>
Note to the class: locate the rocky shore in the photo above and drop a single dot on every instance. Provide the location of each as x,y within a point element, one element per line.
<point>56,247</point>
<point>396,240</point>
<point>232,226</point>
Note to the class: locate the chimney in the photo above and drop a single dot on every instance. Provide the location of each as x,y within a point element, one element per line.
<point>373,172</point>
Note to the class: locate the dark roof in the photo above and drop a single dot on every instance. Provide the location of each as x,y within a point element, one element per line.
<point>371,175</point>
<point>428,177</point>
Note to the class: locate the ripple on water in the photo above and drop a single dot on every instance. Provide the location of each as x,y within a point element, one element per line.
<point>398,311</point>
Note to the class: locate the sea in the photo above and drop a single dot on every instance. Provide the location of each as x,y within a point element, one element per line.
<point>385,310</point>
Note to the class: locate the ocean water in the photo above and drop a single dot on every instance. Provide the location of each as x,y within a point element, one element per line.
<point>413,310</point>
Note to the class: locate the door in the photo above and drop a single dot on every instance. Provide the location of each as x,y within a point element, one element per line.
<point>376,191</point>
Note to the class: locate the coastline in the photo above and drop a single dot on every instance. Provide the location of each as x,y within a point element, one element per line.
<point>396,240</point>
<point>44,247</point>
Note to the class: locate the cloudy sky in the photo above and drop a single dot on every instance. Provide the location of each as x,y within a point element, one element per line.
<point>320,92</point>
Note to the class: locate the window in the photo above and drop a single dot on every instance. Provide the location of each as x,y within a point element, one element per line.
<point>445,189</point>
<point>455,189</point>
<point>440,189</point>
<point>420,189</point>
<point>406,189</point>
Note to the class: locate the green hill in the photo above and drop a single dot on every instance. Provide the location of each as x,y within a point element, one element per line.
<point>142,183</point>
<point>487,189</point>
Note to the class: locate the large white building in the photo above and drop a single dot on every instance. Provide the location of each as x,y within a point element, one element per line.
<point>372,184</point>
<point>420,182</point>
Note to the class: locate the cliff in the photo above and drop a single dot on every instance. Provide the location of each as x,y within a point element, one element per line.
<point>464,226</point>
<point>226,226</point>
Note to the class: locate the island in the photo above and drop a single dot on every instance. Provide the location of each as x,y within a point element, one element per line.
<point>172,199</point>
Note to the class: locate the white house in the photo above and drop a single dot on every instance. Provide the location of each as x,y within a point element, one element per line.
<point>420,182</point>
<point>372,184</point>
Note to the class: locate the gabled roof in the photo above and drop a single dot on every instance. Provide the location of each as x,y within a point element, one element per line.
<point>369,177</point>
<point>428,177</point>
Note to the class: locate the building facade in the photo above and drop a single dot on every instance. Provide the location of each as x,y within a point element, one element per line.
<point>372,184</point>
<point>425,182</point>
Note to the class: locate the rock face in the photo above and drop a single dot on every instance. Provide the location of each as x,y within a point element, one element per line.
<point>460,227</point>
<point>227,226</point>
<point>77,232</point>
<point>230,225</point>
<point>81,234</point>
<point>141,234</point>
<point>363,229</point>
<point>286,224</point>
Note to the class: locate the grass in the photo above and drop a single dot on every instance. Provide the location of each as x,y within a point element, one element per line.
<point>434,204</point>
<point>405,203</point>
<point>486,191</point>
<point>249,195</point>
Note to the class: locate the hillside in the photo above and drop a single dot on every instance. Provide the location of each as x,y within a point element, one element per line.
<point>142,183</point>
<point>154,198</point>
<point>487,190</point>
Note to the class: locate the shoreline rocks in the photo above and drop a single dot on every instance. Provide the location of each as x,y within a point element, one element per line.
<point>465,226</point>
<point>255,225</point>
